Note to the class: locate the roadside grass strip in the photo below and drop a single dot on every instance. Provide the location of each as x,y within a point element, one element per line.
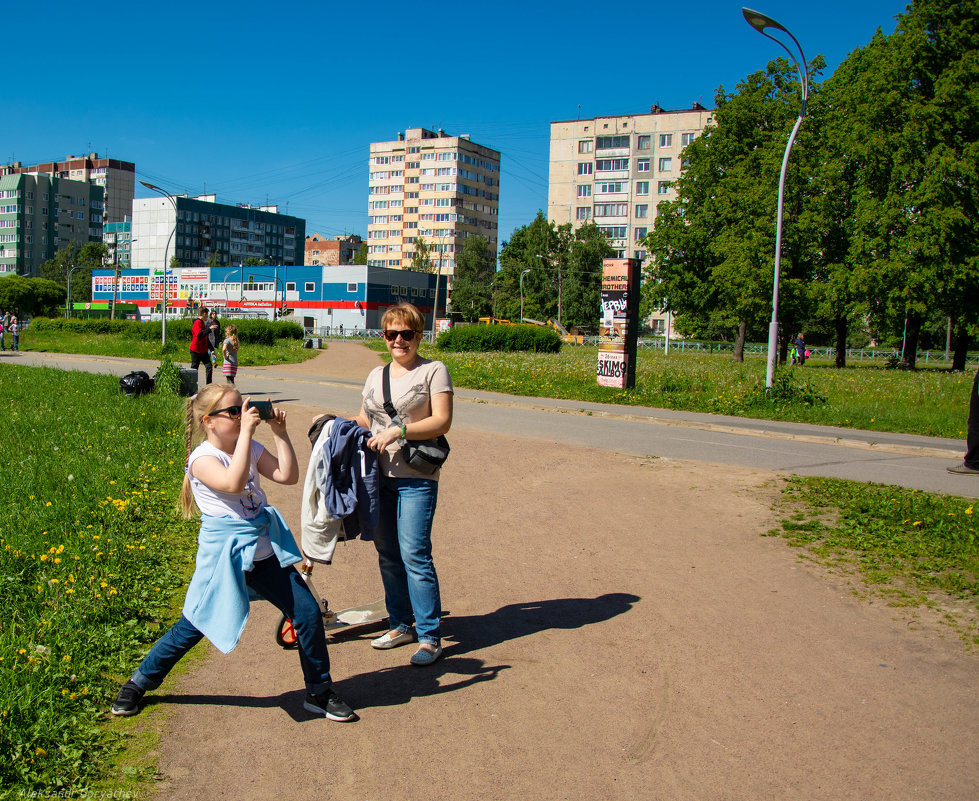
<point>93,559</point>
<point>910,548</point>
<point>926,402</point>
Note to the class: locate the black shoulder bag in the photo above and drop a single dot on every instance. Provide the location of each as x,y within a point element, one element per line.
<point>424,455</point>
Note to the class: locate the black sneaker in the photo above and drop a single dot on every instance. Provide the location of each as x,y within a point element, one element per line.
<point>330,704</point>
<point>127,701</point>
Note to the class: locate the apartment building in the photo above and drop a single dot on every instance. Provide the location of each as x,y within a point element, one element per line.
<point>342,249</point>
<point>118,239</point>
<point>41,214</point>
<point>117,179</point>
<point>199,230</point>
<point>431,186</point>
<point>615,170</point>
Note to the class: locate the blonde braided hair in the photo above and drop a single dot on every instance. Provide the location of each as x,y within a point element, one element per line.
<point>198,406</point>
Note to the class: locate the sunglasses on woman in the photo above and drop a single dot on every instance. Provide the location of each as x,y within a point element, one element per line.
<point>234,412</point>
<point>407,335</point>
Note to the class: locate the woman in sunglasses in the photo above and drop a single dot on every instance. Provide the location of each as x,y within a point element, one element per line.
<point>243,544</point>
<point>421,391</point>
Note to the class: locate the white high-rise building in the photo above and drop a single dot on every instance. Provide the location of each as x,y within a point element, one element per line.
<point>614,170</point>
<point>429,185</point>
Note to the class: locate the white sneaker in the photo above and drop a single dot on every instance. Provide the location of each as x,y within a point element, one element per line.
<point>392,639</point>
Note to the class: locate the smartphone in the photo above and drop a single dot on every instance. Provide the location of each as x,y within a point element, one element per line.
<point>265,410</point>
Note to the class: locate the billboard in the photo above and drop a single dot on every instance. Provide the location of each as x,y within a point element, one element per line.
<point>618,330</point>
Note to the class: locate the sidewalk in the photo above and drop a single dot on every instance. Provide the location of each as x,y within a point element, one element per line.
<point>618,627</point>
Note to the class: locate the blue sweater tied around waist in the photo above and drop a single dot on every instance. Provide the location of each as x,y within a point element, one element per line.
<point>217,598</point>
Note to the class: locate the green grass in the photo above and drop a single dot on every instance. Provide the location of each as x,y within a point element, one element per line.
<point>285,351</point>
<point>93,557</point>
<point>927,402</point>
<point>911,548</point>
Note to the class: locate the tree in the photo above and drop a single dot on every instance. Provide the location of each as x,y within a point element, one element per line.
<point>914,132</point>
<point>421,259</point>
<point>70,260</point>
<point>472,285</point>
<point>361,256</point>
<point>712,249</point>
<point>30,297</point>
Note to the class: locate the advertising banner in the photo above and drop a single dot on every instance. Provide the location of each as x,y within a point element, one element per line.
<point>618,330</point>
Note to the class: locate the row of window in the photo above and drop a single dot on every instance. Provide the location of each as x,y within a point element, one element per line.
<point>465,158</point>
<point>643,142</point>
<point>616,165</point>
<point>621,187</point>
<point>640,211</point>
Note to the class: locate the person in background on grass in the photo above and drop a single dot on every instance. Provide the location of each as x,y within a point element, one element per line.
<point>243,544</point>
<point>229,350</point>
<point>800,349</point>
<point>421,392</point>
<point>213,334</point>
<point>3,333</point>
<point>199,351</point>
<point>15,332</point>
<point>970,465</point>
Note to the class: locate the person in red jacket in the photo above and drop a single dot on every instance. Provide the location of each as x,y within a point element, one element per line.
<point>199,348</point>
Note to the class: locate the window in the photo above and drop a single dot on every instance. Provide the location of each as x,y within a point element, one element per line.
<point>663,188</point>
<point>584,168</point>
<point>291,286</point>
<point>606,165</point>
<point>582,213</point>
<point>611,209</point>
<point>584,190</point>
<point>665,165</point>
<point>642,210</point>
<point>351,287</point>
<point>610,187</point>
<point>585,146</point>
<point>687,138</point>
<point>609,142</point>
<point>310,286</point>
<point>644,142</point>
<point>666,140</point>
<point>642,165</point>
<point>641,234</point>
<point>642,187</point>
<point>613,231</point>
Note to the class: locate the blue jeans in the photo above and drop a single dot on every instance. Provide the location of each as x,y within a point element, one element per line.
<point>287,591</point>
<point>404,552</point>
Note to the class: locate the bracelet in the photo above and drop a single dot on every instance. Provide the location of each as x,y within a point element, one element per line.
<point>404,431</point>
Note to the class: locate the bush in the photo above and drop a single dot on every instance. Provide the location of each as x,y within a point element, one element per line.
<point>499,338</point>
<point>251,332</point>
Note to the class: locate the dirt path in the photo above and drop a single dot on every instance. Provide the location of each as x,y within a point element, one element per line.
<point>616,629</point>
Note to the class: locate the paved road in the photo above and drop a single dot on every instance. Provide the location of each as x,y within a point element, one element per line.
<point>911,461</point>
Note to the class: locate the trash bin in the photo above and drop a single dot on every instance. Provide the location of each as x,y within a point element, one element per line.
<point>188,381</point>
<point>317,342</point>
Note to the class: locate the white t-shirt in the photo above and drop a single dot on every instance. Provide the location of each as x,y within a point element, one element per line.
<point>411,395</point>
<point>245,505</point>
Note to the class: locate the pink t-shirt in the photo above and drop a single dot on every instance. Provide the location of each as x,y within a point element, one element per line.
<point>411,395</point>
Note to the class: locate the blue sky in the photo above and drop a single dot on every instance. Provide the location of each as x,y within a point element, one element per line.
<point>262,102</point>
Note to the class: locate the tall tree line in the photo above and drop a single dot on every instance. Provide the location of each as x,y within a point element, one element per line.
<point>880,237</point>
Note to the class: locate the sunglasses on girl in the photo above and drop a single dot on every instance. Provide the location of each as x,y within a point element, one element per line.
<point>234,412</point>
<point>407,335</point>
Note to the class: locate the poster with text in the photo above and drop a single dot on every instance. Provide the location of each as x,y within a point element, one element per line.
<point>618,328</point>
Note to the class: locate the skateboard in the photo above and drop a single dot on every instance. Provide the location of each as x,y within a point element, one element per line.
<point>335,622</point>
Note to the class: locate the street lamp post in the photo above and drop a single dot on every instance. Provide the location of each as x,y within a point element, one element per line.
<point>166,264</point>
<point>760,22</point>
<point>68,295</point>
<point>521,293</point>
<point>438,275</point>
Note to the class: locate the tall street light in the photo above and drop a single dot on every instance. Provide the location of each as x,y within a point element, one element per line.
<point>521,293</point>
<point>438,275</point>
<point>166,264</point>
<point>760,22</point>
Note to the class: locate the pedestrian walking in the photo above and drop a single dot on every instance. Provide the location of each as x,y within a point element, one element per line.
<point>199,351</point>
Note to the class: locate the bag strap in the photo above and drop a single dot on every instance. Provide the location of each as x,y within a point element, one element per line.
<point>388,406</point>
